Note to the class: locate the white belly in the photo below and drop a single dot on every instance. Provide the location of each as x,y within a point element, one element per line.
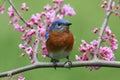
<point>59,55</point>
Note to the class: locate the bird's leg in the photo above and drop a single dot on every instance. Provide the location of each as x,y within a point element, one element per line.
<point>54,62</point>
<point>68,62</point>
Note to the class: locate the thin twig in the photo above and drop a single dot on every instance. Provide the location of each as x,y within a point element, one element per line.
<point>105,22</point>
<point>17,12</point>
<point>100,63</point>
<point>35,55</point>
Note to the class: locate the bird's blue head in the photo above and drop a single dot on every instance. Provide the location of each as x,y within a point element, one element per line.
<point>58,25</point>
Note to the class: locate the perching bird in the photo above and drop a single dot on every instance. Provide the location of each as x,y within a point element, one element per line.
<point>59,40</point>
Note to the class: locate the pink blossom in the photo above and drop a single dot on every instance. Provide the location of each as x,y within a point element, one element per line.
<point>21,46</point>
<point>28,41</point>
<point>56,6</point>
<point>48,7</point>
<point>27,8</point>
<point>113,36</point>
<point>58,1</point>
<point>44,22</point>
<point>114,44</point>
<point>28,34</point>
<point>94,42</point>
<point>18,27</point>
<point>38,15</point>
<point>22,54</point>
<point>29,24</point>
<point>108,10</point>
<point>77,57</point>
<point>10,12</point>
<point>67,10</point>
<point>85,57</point>
<point>106,53</point>
<point>109,37</point>
<point>117,7</point>
<point>31,32</point>
<point>32,61</point>
<point>105,2</point>
<point>85,47</point>
<point>21,78</point>
<point>15,19</point>
<point>116,13</point>
<point>43,47</point>
<point>114,47</point>
<point>95,30</point>
<point>29,50</point>
<point>83,42</point>
<point>51,15</point>
<point>90,48</point>
<point>44,56</point>
<point>113,41</point>
<point>2,9</point>
<point>108,31</point>
<point>23,6</point>
<point>24,36</point>
<point>102,6</point>
<point>42,31</point>
<point>113,4</point>
<point>59,17</point>
<point>44,50</point>
<point>34,19</point>
<point>82,49</point>
<point>42,14</point>
<point>105,38</point>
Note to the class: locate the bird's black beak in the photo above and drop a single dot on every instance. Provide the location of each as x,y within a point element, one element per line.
<point>68,24</point>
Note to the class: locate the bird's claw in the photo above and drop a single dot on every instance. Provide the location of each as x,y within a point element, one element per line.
<point>54,62</point>
<point>68,64</point>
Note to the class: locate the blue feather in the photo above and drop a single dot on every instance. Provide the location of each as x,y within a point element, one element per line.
<point>47,35</point>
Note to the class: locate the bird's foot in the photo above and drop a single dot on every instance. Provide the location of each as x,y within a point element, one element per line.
<point>68,64</point>
<point>54,61</point>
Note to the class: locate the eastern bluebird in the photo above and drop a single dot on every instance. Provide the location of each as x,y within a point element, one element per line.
<point>59,40</point>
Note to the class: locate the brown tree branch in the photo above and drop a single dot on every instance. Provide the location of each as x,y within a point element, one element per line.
<point>100,63</point>
<point>104,25</point>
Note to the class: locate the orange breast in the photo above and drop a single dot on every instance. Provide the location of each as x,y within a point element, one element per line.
<point>60,40</point>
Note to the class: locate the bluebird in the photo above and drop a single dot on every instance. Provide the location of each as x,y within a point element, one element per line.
<point>59,40</point>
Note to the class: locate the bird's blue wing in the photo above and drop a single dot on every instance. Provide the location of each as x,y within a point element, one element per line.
<point>50,29</point>
<point>47,35</point>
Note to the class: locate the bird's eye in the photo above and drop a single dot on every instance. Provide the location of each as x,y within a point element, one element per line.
<point>59,24</point>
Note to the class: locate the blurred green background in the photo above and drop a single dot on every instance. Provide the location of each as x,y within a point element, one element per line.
<point>88,15</point>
